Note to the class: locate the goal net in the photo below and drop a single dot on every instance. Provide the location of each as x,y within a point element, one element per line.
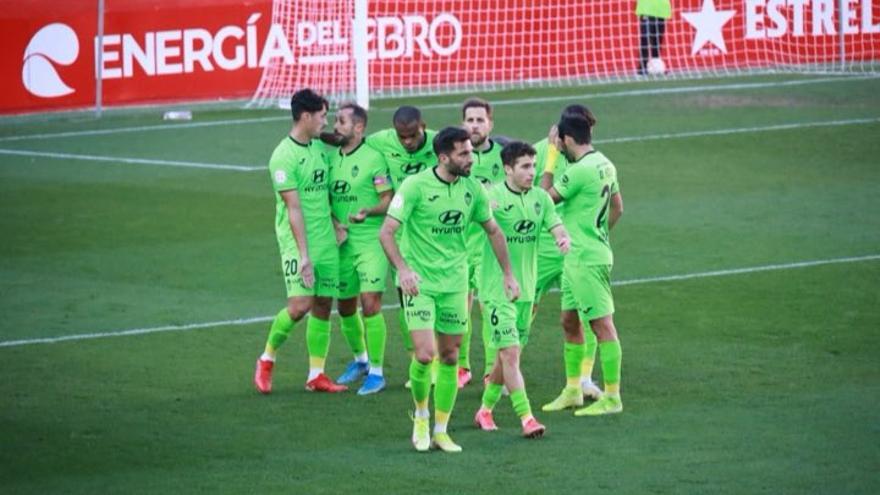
<point>425,47</point>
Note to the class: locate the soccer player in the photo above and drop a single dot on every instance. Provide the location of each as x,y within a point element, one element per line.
<point>549,162</point>
<point>593,205</point>
<point>476,115</point>
<point>436,207</point>
<point>407,149</point>
<point>521,211</point>
<point>306,239</point>
<point>360,191</point>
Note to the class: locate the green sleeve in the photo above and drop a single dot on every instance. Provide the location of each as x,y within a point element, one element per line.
<point>615,188</point>
<point>551,218</point>
<point>284,176</point>
<point>381,174</point>
<point>406,198</point>
<point>570,182</point>
<point>482,211</point>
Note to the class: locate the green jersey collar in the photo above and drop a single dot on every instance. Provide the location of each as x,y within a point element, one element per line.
<point>304,145</point>
<point>520,193</point>
<point>352,151</point>
<point>582,156</point>
<point>489,149</point>
<point>441,179</point>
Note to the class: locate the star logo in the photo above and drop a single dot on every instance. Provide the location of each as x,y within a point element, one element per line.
<point>709,24</point>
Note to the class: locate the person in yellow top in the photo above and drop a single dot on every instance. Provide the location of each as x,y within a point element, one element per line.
<point>653,15</point>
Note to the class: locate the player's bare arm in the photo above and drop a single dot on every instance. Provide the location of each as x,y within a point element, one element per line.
<point>616,210</point>
<point>408,279</point>
<point>376,211</point>
<point>298,227</point>
<point>563,242</point>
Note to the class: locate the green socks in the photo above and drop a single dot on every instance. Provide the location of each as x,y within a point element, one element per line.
<point>491,395</point>
<point>520,403</point>
<point>611,356</point>
<point>573,354</point>
<point>376,335</point>
<point>446,388</point>
<point>590,345</point>
<point>279,331</point>
<point>464,351</point>
<point>420,381</point>
<point>353,331</point>
<point>317,340</point>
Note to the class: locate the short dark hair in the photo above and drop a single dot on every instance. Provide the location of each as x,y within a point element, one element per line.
<point>357,112</point>
<point>577,109</point>
<point>444,141</point>
<point>306,100</point>
<point>577,127</point>
<point>475,102</point>
<point>406,115</point>
<point>514,150</point>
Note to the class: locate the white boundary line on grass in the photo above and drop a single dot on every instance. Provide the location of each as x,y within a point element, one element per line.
<point>624,139</point>
<point>616,94</point>
<point>136,161</point>
<point>262,319</point>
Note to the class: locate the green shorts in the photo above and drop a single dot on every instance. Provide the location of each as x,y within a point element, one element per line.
<point>326,273</point>
<point>508,323</point>
<point>361,270</point>
<point>444,312</point>
<point>549,273</point>
<point>587,288</point>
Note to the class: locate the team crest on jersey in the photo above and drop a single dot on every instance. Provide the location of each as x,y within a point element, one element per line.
<point>468,197</point>
<point>280,176</point>
<point>496,169</point>
<point>537,208</point>
<point>355,171</point>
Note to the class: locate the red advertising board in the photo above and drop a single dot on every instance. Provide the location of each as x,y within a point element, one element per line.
<point>175,50</point>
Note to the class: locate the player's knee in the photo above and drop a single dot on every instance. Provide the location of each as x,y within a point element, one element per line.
<point>371,304</point>
<point>510,356</point>
<point>449,356</point>
<point>297,308</point>
<point>424,356</point>
<point>321,307</point>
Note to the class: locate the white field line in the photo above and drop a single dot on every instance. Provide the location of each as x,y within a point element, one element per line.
<point>593,96</point>
<point>135,161</point>
<point>263,319</point>
<point>658,91</point>
<point>624,139</point>
<point>739,130</point>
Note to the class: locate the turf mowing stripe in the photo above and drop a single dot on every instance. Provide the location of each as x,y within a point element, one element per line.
<point>739,130</point>
<point>519,101</point>
<point>655,91</point>
<point>624,139</point>
<point>136,161</point>
<point>263,319</point>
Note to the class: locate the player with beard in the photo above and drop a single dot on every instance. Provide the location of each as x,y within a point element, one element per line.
<point>436,207</point>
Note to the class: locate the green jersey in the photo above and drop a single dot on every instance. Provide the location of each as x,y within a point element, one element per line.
<point>356,180</point>
<point>435,215</point>
<point>303,168</point>
<point>489,170</point>
<point>546,241</point>
<point>587,186</point>
<point>521,217</point>
<point>402,163</point>
<point>487,167</point>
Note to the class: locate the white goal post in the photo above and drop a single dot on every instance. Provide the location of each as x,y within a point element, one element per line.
<point>367,49</point>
